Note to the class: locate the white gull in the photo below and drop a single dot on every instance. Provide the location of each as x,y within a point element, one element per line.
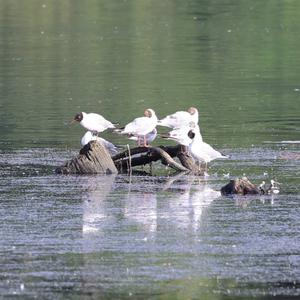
<point>200,150</point>
<point>93,122</point>
<point>150,137</point>
<point>88,136</point>
<point>141,126</point>
<point>180,118</point>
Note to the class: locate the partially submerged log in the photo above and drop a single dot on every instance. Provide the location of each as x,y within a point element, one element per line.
<point>240,187</point>
<point>145,155</point>
<point>93,158</point>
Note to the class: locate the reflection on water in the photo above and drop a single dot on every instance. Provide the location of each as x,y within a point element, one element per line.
<point>94,202</point>
<point>141,235</point>
<point>140,210</point>
<point>186,208</point>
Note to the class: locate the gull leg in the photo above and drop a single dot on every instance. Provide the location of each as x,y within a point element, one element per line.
<point>184,149</point>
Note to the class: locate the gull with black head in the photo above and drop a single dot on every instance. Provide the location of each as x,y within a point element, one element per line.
<point>93,122</point>
<point>200,150</point>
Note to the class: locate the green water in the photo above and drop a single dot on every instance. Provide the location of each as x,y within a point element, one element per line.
<point>66,237</point>
<point>237,61</point>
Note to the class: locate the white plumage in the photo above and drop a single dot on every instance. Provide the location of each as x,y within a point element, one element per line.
<point>180,118</point>
<point>200,150</point>
<point>88,136</point>
<point>150,137</point>
<point>180,135</point>
<point>273,188</point>
<point>141,126</point>
<point>93,122</point>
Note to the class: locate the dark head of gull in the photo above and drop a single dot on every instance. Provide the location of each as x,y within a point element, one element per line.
<point>78,117</point>
<point>191,134</point>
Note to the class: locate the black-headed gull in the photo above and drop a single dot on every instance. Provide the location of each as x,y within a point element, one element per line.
<point>141,126</point>
<point>88,136</point>
<point>93,122</point>
<point>180,134</point>
<point>180,118</point>
<point>200,150</point>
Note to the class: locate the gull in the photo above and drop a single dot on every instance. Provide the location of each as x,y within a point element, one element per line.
<point>93,122</point>
<point>180,118</point>
<point>141,126</point>
<point>150,137</point>
<point>180,134</point>
<point>200,150</point>
<point>88,136</point>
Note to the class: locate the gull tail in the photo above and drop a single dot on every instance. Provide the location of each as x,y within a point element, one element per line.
<point>119,130</point>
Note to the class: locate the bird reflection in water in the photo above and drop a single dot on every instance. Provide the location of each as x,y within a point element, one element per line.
<point>178,202</point>
<point>95,204</point>
<point>185,210</point>
<point>141,210</point>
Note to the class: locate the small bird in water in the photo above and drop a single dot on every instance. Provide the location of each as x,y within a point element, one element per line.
<point>141,126</point>
<point>93,122</point>
<point>262,187</point>
<point>273,188</point>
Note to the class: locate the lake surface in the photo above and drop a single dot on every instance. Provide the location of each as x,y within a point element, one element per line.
<point>149,237</point>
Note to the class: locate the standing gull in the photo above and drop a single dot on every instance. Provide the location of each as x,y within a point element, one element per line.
<point>141,126</point>
<point>150,137</point>
<point>93,122</point>
<point>200,150</point>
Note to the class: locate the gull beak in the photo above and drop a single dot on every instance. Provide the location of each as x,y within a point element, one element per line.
<point>72,121</point>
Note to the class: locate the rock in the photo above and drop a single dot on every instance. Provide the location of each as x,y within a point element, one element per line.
<point>240,187</point>
<point>93,158</point>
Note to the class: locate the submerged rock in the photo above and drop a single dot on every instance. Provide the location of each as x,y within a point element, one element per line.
<point>240,187</point>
